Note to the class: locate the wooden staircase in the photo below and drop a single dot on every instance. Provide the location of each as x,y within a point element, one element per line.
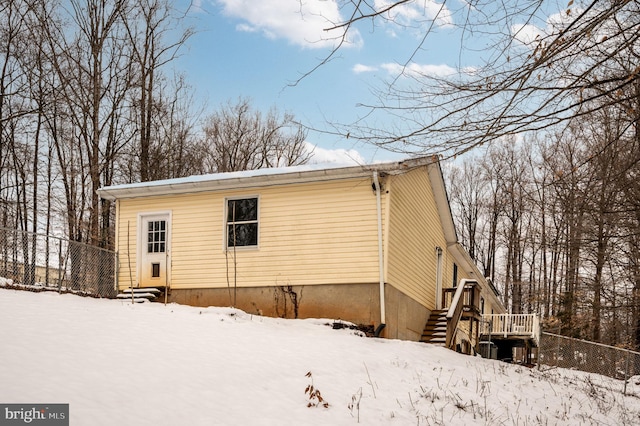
<point>435,331</point>
<point>140,295</point>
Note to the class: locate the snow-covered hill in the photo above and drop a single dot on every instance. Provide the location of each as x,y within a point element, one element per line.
<point>150,364</point>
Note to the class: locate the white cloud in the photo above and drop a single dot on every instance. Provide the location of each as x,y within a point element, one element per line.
<point>246,28</point>
<point>196,6</point>
<point>301,23</point>
<point>348,157</point>
<point>361,68</point>
<point>410,13</point>
<point>530,35</point>
<point>527,34</point>
<point>417,70</point>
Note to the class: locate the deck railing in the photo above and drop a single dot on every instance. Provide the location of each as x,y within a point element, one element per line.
<point>506,325</point>
<point>470,297</point>
<point>455,311</point>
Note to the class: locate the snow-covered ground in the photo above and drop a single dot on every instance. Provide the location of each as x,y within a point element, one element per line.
<point>149,364</point>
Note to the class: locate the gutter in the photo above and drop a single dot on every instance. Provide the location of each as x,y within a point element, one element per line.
<point>383,324</point>
<point>255,179</point>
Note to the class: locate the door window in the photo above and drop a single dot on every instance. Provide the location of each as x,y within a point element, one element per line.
<point>157,236</point>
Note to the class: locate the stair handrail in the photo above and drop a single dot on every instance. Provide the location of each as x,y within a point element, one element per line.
<point>455,311</point>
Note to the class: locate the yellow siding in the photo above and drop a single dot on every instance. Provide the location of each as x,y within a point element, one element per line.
<point>315,233</point>
<point>414,233</point>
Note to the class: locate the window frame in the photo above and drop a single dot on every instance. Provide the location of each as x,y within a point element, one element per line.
<point>227,223</point>
<point>160,233</point>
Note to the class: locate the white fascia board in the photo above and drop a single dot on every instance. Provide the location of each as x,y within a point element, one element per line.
<point>251,179</point>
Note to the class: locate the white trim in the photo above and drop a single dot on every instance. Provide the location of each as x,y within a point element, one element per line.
<point>439,276</point>
<point>141,245</point>
<point>257,178</point>
<point>225,237</point>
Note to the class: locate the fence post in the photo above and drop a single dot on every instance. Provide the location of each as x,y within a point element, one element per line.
<point>540,352</point>
<point>60,266</point>
<point>626,373</point>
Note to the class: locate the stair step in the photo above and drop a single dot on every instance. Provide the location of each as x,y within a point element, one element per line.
<point>136,300</point>
<point>139,294</point>
<point>434,340</point>
<point>428,330</point>
<point>141,290</point>
<point>145,296</point>
<point>435,330</point>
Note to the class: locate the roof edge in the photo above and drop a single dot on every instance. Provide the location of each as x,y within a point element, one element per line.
<point>254,179</point>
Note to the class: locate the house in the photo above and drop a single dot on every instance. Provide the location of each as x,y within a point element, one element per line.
<point>374,245</point>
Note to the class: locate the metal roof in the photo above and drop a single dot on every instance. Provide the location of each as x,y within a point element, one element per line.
<point>255,178</point>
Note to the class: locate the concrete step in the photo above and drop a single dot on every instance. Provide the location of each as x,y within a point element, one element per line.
<point>140,294</point>
<point>146,296</point>
<point>137,290</point>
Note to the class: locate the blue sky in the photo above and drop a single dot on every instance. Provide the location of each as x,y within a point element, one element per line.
<point>257,48</point>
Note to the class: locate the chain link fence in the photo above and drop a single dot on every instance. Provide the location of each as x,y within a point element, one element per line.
<point>42,262</point>
<point>566,352</point>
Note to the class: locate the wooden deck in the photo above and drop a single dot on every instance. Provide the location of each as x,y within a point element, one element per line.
<point>511,326</point>
<point>515,336</point>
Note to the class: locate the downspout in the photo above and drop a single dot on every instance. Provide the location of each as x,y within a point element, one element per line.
<point>439,253</point>
<point>383,324</point>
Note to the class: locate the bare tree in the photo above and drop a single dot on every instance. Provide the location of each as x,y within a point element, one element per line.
<point>13,106</point>
<point>524,83</point>
<point>148,24</point>
<point>468,192</point>
<point>238,137</point>
<point>174,149</point>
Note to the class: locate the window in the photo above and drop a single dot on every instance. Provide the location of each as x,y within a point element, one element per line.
<point>242,222</point>
<point>156,236</point>
<point>455,275</point>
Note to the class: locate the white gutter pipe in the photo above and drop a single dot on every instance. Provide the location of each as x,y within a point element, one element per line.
<point>376,184</point>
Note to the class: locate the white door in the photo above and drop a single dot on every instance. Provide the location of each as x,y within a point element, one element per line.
<point>154,244</point>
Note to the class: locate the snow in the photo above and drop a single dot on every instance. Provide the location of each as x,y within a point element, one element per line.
<point>149,364</point>
<point>244,174</point>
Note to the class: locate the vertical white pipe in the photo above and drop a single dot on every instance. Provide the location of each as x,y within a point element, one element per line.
<point>439,278</point>
<point>380,250</point>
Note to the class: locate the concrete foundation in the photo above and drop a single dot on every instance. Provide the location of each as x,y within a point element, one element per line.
<point>356,303</point>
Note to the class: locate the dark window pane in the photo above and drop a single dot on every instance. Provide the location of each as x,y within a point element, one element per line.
<point>150,248</point>
<point>243,235</point>
<point>161,247</point>
<point>242,210</point>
